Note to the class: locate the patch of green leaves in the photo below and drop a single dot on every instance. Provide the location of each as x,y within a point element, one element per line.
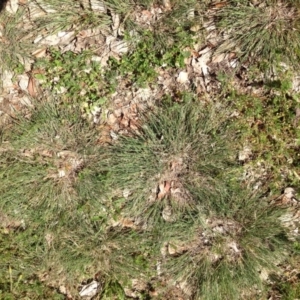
<point>141,64</point>
<point>269,124</point>
<point>17,279</point>
<point>74,78</point>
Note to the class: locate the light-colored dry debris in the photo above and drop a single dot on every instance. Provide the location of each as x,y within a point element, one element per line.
<point>90,290</point>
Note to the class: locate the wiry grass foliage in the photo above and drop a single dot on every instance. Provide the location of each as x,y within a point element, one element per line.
<point>47,183</point>
<point>268,32</point>
<point>50,148</point>
<point>15,46</point>
<point>69,15</point>
<point>178,146</point>
<point>222,253</point>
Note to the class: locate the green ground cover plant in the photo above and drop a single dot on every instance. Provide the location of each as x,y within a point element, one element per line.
<point>75,79</point>
<point>270,125</point>
<point>150,53</point>
<point>161,211</point>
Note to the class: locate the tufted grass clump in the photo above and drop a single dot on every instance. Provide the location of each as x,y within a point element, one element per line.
<point>227,253</point>
<point>265,32</point>
<point>52,214</point>
<point>15,45</point>
<point>154,172</point>
<point>78,15</point>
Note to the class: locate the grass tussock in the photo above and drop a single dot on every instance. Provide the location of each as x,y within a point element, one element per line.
<point>48,188</point>
<point>15,46</point>
<point>179,146</point>
<point>261,32</point>
<point>223,252</point>
<point>70,15</point>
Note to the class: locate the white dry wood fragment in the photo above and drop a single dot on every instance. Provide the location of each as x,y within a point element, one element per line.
<point>191,14</point>
<point>96,58</point>
<point>168,214</point>
<point>264,274</point>
<point>109,39</point>
<point>126,193</point>
<point>233,63</point>
<point>200,64</point>
<point>195,28</point>
<point>116,23</point>
<point>40,52</point>
<point>23,82</point>
<point>245,154</point>
<point>183,77</point>
<point>233,245</point>
<point>60,90</point>
<point>98,6</point>
<point>35,11</point>
<point>12,6</point>
<point>61,173</point>
<point>113,135</point>
<point>90,290</point>
<point>26,101</point>
<point>218,58</point>
<point>62,37</point>
<point>186,287</point>
<point>63,290</point>
<point>167,4</point>
<point>119,47</point>
<point>51,40</point>
<point>7,79</point>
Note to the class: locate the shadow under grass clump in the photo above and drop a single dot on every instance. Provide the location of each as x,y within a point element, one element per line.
<point>178,148</point>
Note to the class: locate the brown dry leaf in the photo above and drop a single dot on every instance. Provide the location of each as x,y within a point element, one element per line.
<point>219,5</point>
<point>164,189</point>
<point>47,153</point>
<point>176,248</point>
<point>32,88</point>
